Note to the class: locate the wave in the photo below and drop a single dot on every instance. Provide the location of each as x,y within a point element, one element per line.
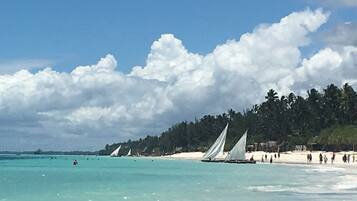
<point>318,189</point>
<point>270,188</point>
<point>322,169</point>
<point>345,185</point>
<point>347,182</point>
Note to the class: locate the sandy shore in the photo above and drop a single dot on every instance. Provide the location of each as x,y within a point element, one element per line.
<point>296,157</point>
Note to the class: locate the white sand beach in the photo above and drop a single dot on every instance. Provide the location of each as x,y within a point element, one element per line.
<point>296,157</point>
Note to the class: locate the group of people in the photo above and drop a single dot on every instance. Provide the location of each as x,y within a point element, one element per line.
<point>324,158</point>
<point>309,157</point>
<point>346,158</point>
<point>265,157</point>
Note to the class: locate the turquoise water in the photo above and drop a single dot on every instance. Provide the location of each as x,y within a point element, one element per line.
<point>44,178</point>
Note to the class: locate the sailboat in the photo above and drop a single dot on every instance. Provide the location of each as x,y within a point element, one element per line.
<point>129,153</point>
<point>115,153</point>
<point>216,150</point>
<point>237,154</point>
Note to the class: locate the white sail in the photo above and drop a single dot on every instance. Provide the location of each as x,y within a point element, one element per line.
<point>238,151</point>
<point>216,150</point>
<point>116,151</point>
<point>129,153</point>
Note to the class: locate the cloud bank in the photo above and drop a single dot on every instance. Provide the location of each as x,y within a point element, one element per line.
<point>97,104</point>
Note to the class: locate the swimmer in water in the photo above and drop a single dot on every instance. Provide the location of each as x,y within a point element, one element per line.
<point>75,162</point>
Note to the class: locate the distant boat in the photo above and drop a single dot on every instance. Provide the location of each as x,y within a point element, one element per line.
<point>129,153</point>
<point>216,150</point>
<point>115,153</point>
<point>237,153</point>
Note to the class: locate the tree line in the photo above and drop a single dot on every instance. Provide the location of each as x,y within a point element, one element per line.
<point>290,120</point>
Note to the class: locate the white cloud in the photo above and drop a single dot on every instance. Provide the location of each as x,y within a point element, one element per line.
<point>167,60</point>
<point>97,104</point>
<point>325,67</point>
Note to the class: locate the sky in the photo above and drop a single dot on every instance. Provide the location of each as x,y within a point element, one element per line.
<point>76,75</point>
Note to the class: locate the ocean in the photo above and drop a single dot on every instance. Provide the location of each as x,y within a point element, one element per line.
<point>96,178</point>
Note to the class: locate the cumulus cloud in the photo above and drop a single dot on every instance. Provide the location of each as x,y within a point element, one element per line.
<point>97,104</point>
<point>325,67</point>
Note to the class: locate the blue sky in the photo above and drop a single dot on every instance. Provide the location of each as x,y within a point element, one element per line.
<point>65,34</point>
<point>188,53</point>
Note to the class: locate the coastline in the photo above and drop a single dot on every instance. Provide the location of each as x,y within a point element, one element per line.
<point>291,157</point>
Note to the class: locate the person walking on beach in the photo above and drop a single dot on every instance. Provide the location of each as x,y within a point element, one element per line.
<point>271,159</point>
<point>278,154</point>
<point>333,157</point>
<point>353,157</point>
<point>348,158</point>
<point>344,158</point>
<point>310,157</point>
<point>320,157</point>
<point>325,159</point>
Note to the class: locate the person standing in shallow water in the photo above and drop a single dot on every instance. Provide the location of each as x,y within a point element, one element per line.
<point>320,157</point>
<point>271,159</point>
<point>75,162</point>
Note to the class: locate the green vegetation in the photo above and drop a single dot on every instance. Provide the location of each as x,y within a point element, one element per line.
<point>337,135</point>
<point>289,120</point>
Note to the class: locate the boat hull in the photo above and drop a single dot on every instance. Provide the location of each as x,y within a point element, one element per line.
<point>241,161</point>
<point>213,161</point>
<point>231,161</point>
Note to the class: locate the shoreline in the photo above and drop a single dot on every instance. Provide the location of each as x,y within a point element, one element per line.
<point>290,157</point>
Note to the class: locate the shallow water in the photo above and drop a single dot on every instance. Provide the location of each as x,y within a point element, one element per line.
<point>47,178</point>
